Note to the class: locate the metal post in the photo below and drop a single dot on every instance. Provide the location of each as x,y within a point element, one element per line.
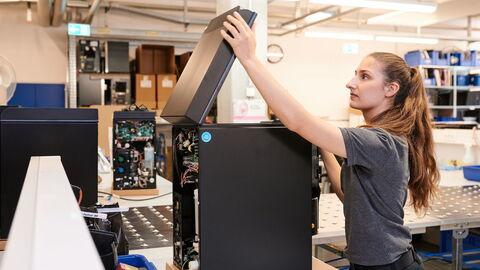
<point>457,252</point>
<point>72,72</point>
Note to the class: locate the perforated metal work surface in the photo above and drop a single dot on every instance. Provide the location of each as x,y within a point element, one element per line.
<point>457,204</point>
<point>453,206</point>
<point>149,227</point>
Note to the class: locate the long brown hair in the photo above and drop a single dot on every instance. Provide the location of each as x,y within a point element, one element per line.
<point>409,117</point>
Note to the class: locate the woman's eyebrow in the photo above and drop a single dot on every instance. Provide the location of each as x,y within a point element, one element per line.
<point>364,71</point>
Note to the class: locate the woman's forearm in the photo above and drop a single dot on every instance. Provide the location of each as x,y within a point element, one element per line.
<point>333,171</point>
<point>292,114</point>
<point>275,94</point>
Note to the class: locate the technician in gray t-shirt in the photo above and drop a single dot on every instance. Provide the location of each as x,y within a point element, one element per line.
<point>391,154</point>
<point>374,180</point>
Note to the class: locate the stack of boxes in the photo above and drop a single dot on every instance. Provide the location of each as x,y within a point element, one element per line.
<point>156,75</point>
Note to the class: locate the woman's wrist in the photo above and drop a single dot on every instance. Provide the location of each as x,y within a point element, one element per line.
<point>250,62</point>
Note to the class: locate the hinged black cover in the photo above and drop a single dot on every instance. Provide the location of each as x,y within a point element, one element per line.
<point>204,74</point>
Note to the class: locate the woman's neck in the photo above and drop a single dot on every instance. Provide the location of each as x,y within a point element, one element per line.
<point>371,113</point>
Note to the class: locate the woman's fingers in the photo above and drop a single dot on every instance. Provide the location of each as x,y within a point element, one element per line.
<point>241,20</point>
<point>226,36</point>
<point>237,24</point>
<point>232,29</point>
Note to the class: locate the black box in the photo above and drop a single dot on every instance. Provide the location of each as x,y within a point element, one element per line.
<point>249,203</point>
<point>116,57</point>
<point>26,132</point>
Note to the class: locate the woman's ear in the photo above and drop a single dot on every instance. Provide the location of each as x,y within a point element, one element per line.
<point>391,89</point>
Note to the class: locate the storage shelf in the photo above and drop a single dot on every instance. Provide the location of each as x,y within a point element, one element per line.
<point>459,88</point>
<point>442,107</point>
<point>468,107</point>
<point>451,107</point>
<point>466,68</point>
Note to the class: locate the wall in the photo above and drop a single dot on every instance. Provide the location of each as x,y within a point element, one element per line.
<point>38,54</point>
<point>315,71</point>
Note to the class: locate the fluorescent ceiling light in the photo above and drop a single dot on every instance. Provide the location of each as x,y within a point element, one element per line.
<point>338,35</point>
<point>398,39</point>
<point>382,19</point>
<point>406,5</point>
<point>317,16</point>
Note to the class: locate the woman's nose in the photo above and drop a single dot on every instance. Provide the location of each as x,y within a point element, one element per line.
<point>351,84</point>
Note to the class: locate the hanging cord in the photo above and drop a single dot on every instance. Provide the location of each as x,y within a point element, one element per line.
<point>80,194</point>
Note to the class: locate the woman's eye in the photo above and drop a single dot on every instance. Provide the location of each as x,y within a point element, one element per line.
<point>364,76</point>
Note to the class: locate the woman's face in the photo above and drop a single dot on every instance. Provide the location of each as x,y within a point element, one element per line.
<point>367,87</point>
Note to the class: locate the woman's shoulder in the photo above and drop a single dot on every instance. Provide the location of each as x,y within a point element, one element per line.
<point>397,138</point>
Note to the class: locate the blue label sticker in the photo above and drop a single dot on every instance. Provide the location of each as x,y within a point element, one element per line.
<point>206,136</point>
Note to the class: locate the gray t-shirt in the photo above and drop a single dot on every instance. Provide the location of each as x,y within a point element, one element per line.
<point>374,180</point>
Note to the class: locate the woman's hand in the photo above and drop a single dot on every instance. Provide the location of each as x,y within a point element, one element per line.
<point>242,38</point>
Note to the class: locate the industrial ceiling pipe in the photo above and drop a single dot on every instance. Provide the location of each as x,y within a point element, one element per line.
<point>91,12</point>
<point>59,8</point>
<point>43,12</point>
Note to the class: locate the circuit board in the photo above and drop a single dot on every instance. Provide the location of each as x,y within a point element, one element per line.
<point>134,154</point>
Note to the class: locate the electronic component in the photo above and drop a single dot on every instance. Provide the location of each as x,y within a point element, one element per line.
<point>120,91</point>
<point>89,56</point>
<point>133,151</point>
<point>186,169</point>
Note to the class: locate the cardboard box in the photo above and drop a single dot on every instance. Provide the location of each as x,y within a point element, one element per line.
<point>145,93</point>
<point>155,59</point>
<point>105,123</point>
<point>165,86</point>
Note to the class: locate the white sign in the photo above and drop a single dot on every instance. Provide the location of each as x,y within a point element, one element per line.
<point>145,83</point>
<point>166,83</point>
<point>249,111</point>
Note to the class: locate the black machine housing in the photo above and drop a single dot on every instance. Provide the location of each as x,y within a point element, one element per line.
<point>71,134</point>
<point>242,193</point>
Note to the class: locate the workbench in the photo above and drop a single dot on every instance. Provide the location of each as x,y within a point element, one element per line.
<point>456,209</point>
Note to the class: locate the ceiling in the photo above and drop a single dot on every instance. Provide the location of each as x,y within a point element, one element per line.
<point>458,18</point>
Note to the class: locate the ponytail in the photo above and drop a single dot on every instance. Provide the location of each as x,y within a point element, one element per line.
<point>410,118</point>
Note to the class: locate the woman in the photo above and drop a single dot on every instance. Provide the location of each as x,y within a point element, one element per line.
<point>393,152</point>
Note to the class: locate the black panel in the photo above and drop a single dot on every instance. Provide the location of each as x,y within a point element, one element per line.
<point>204,74</point>
<point>89,90</point>
<point>255,198</point>
<point>117,57</point>
<point>69,133</point>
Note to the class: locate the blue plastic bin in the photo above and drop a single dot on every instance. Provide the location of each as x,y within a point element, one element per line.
<point>136,261</point>
<point>440,59</point>
<point>463,59</point>
<point>416,58</point>
<point>463,80</point>
<point>455,58</point>
<point>475,79</point>
<point>472,173</point>
<point>470,59</point>
<point>446,119</point>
